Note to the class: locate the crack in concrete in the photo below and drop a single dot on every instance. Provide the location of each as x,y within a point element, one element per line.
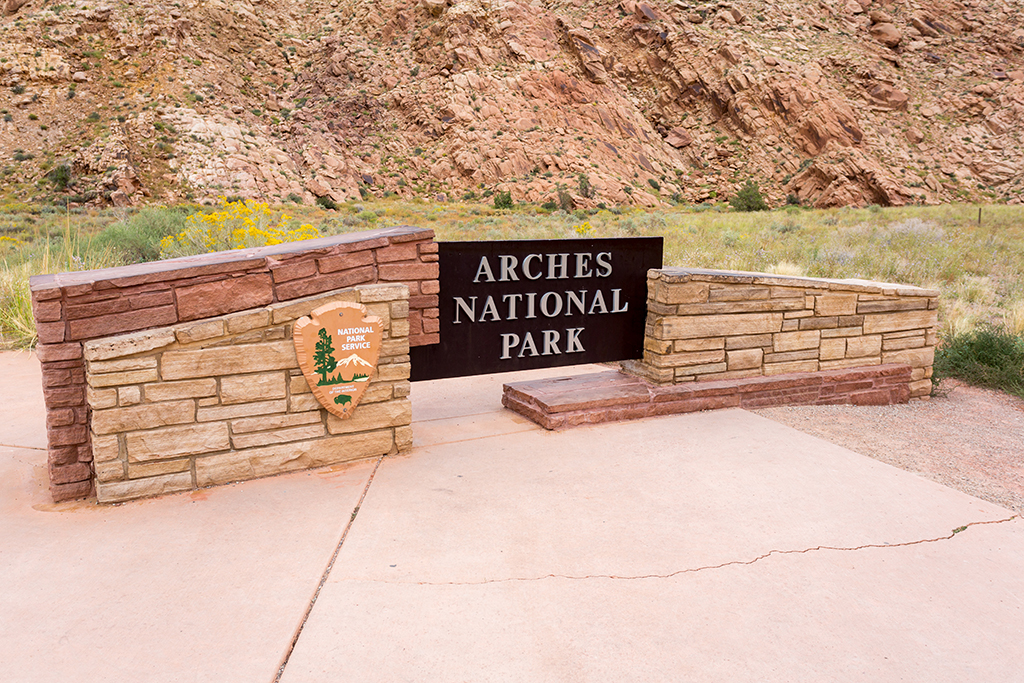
<point>327,572</point>
<point>694,570</point>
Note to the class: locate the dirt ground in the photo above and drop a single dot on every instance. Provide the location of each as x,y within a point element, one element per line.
<point>967,438</point>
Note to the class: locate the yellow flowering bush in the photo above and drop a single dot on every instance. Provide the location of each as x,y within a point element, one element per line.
<point>242,224</point>
<point>9,243</point>
<point>584,229</point>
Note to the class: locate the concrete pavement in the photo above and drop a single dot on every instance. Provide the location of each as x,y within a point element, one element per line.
<point>703,547</point>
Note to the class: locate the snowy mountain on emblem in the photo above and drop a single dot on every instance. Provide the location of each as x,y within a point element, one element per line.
<point>354,359</point>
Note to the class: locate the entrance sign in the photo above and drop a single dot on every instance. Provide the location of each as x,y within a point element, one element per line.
<point>338,349</point>
<point>518,305</point>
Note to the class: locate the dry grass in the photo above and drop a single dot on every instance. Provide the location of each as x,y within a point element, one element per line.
<point>979,269</point>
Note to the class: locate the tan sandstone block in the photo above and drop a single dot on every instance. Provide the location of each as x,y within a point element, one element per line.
<point>675,360</point>
<point>177,441</point>
<point>206,329</point>
<point>115,379</point>
<point>401,389</point>
<point>920,388</point>
<point>915,358</point>
<point>835,304</point>
<point>267,460</point>
<point>248,320</point>
<point>748,341</point>
<point>113,492</point>
<point>128,345</point>
<point>137,470</point>
<point>129,396</point>
<point>310,431</point>
<point>211,413</point>
<point>832,349</point>
<point>876,323</point>
<point>99,399</point>
<point>145,416</point>
<point>657,345</point>
<point>794,366</point>
<point>172,391</point>
<point>393,372</point>
<point>707,369</point>
<point>250,388</point>
<point>228,360</point>
<point>745,359</point>
<point>850,363</point>
<point>109,470</point>
<point>257,424</point>
<point>390,348</point>
<point>688,345</point>
<point>738,293</point>
<point>400,328</point>
<point>403,438</point>
<point>369,294</point>
<point>302,403</point>
<point>399,310</point>
<point>377,392</point>
<point>695,326</point>
<point>293,310</point>
<point>794,341</point>
<point>105,447</point>
<point>122,365</point>
<point>686,293</point>
<point>374,416</point>
<point>859,347</point>
<point>297,384</point>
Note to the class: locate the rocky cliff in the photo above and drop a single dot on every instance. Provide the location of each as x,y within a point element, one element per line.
<point>832,102</point>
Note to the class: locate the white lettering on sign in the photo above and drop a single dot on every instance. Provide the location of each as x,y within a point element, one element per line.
<point>533,268</point>
<point>551,304</point>
<point>512,343</point>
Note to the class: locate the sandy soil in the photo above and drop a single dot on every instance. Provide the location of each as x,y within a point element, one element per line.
<point>967,438</point>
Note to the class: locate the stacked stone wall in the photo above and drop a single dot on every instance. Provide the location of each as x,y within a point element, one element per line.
<point>715,325</point>
<point>223,399</point>
<point>73,308</point>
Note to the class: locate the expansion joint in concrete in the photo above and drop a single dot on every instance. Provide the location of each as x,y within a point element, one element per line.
<point>723,565</point>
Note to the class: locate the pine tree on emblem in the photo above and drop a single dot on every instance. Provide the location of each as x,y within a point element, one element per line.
<point>323,359</point>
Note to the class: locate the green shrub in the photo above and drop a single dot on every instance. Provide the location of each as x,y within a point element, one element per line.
<point>565,202</point>
<point>748,199</point>
<point>987,357</point>
<point>503,200</point>
<point>327,203</point>
<point>586,189</point>
<point>137,238</point>
<point>60,176</point>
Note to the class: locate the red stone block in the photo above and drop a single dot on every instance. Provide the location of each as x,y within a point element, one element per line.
<point>64,397</point>
<point>430,287</point>
<point>415,322</point>
<point>431,312</point>
<point>293,270</point>
<point>392,272</point>
<point>325,283</point>
<point>419,236</point>
<point>223,296</point>
<point>48,353</point>
<point>850,387</point>
<point>158,271</point>
<point>70,473</point>
<point>423,301</point>
<point>73,491</point>
<point>398,252</point>
<point>431,325</point>
<point>151,299</point>
<point>876,397</point>
<point>56,377</point>
<point>428,247</point>
<point>129,321</point>
<point>78,290</point>
<point>425,339</point>
<point>50,333</point>
<point>376,243</point>
<point>46,293</point>
<point>346,261</point>
<point>78,311</point>
<point>64,455</point>
<point>46,311</point>
<point>71,435</point>
<point>430,258</point>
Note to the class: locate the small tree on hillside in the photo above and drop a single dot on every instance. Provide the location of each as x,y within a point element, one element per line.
<point>323,359</point>
<point>748,199</point>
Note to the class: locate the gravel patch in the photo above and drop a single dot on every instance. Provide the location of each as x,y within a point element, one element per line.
<point>967,438</point>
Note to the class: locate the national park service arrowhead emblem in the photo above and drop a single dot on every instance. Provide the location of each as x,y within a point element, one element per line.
<point>338,348</point>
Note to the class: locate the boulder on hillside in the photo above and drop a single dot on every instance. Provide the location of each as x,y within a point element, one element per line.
<point>679,138</point>
<point>887,34</point>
